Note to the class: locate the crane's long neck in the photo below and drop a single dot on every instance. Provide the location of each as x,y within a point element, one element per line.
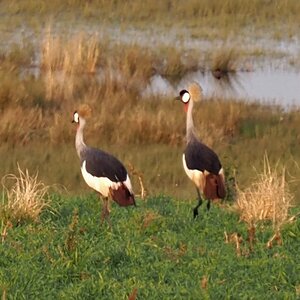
<point>190,130</point>
<point>79,142</point>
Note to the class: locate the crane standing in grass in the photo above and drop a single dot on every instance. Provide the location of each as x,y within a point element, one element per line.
<point>102,171</point>
<point>200,163</point>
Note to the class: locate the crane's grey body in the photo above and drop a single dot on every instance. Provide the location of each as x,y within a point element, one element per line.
<point>200,157</point>
<point>103,172</point>
<point>102,164</point>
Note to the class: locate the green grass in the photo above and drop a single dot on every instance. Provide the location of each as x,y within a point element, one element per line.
<point>156,248</point>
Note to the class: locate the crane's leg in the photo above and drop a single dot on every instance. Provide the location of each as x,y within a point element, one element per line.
<point>208,204</point>
<point>195,210</point>
<point>105,211</point>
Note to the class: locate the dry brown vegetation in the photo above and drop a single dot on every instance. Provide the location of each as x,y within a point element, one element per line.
<point>81,68</point>
<point>235,239</point>
<point>267,199</point>
<point>24,197</point>
<point>226,15</point>
<point>37,101</point>
<point>224,61</point>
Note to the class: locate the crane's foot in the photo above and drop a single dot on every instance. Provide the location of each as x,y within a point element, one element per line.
<point>195,212</point>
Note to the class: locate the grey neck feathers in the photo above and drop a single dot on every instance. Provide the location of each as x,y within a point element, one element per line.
<point>190,130</point>
<point>79,142</point>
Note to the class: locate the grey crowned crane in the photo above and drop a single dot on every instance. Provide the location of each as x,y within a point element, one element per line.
<point>102,171</point>
<point>200,163</point>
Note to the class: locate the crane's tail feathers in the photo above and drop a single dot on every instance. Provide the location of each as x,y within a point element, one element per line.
<point>221,186</point>
<point>214,186</point>
<point>122,196</point>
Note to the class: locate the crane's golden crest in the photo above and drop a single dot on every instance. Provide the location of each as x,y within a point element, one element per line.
<point>195,91</point>
<point>84,111</point>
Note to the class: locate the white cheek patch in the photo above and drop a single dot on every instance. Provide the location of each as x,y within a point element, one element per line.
<point>185,97</point>
<point>76,118</point>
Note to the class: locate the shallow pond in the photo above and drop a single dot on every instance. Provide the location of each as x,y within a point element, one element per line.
<point>269,86</point>
<point>273,81</point>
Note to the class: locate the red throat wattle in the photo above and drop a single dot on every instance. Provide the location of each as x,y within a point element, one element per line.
<point>186,106</point>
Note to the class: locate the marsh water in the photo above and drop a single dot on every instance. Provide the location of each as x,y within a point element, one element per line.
<point>270,80</point>
<point>281,87</point>
<point>278,87</point>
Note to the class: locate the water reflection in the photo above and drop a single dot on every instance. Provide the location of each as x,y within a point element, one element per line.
<point>280,87</point>
<point>268,86</point>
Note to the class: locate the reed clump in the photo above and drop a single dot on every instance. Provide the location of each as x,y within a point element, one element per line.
<point>223,62</point>
<point>63,60</point>
<point>19,126</point>
<point>266,199</point>
<point>24,197</point>
<point>79,53</point>
<point>74,65</point>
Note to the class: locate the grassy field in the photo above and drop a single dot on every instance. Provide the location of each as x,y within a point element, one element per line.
<point>156,250</point>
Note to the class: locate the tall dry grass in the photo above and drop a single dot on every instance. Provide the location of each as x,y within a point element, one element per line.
<point>81,64</point>
<point>79,67</point>
<point>79,53</point>
<point>20,125</point>
<point>62,60</point>
<point>111,79</point>
<point>268,198</point>
<point>24,197</point>
<point>224,61</point>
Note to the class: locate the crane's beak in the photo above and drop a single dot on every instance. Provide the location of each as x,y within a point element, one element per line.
<point>177,98</point>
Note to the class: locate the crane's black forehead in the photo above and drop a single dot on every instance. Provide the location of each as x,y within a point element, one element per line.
<point>182,92</point>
